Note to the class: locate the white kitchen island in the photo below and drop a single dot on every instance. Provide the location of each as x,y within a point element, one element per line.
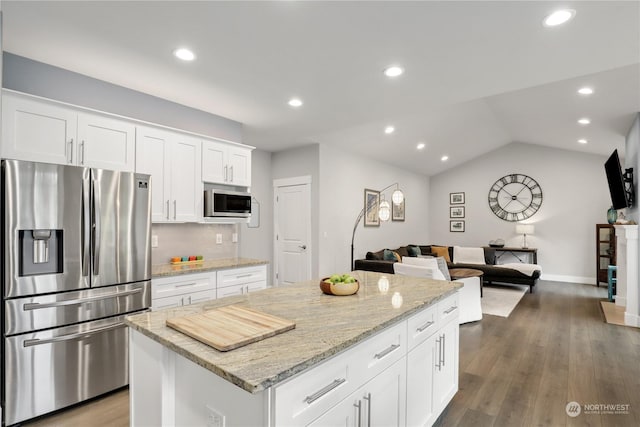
<point>385,356</point>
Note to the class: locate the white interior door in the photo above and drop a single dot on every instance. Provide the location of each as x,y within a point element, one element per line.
<point>292,230</point>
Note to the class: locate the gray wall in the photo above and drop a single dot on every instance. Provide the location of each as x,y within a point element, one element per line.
<point>343,178</point>
<point>576,197</point>
<point>632,160</point>
<point>296,162</point>
<point>258,242</point>
<point>193,239</point>
<point>37,78</point>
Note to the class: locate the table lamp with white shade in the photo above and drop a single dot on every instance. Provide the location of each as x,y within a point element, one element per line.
<point>524,229</point>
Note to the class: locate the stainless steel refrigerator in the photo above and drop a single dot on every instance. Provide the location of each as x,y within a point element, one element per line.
<point>76,260</point>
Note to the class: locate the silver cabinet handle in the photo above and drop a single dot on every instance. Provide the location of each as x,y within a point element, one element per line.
<point>444,347</point>
<point>175,209</point>
<point>368,399</point>
<point>385,352</point>
<point>226,169</point>
<point>231,174</point>
<point>182,285</point>
<point>71,151</point>
<point>239,276</point>
<point>439,359</point>
<point>359,406</point>
<point>453,308</point>
<point>425,326</point>
<point>38,306</point>
<point>82,152</point>
<point>318,394</point>
<point>37,341</point>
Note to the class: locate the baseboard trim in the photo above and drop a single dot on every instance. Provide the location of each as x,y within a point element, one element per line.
<point>568,279</point>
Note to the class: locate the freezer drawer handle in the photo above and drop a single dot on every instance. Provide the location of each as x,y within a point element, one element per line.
<point>38,306</point>
<point>31,343</point>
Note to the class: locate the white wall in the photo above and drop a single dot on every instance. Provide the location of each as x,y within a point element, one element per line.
<point>575,198</point>
<point>632,160</point>
<point>343,178</point>
<point>258,242</point>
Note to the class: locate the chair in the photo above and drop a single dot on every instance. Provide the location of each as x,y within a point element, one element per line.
<point>612,282</point>
<point>468,295</point>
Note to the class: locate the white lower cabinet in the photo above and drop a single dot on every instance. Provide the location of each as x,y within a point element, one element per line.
<point>240,281</point>
<point>177,291</point>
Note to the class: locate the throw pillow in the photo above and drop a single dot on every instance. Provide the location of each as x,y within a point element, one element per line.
<point>377,256</point>
<point>442,251</point>
<point>463,255</point>
<point>413,250</point>
<point>442,266</point>
<point>390,255</point>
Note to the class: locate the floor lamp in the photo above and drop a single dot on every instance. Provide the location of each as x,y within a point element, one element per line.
<point>384,212</point>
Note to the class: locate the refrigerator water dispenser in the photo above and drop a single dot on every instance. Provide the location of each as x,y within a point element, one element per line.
<point>41,252</point>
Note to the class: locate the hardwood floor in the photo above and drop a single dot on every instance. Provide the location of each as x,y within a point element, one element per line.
<point>518,371</point>
<point>553,349</point>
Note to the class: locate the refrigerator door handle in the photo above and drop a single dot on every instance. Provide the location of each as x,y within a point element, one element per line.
<point>37,305</point>
<point>96,229</point>
<point>37,341</point>
<point>86,226</point>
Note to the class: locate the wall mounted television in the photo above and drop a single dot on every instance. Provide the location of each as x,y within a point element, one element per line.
<point>620,184</point>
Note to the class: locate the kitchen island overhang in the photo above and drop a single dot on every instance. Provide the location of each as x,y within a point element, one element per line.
<point>326,327</point>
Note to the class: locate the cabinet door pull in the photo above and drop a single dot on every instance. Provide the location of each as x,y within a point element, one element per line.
<point>231,174</point>
<point>386,351</point>
<point>175,209</point>
<point>240,276</point>
<point>359,406</point>
<point>368,399</point>
<point>444,342</point>
<point>82,152</point>
<point>182,285</point>
<point>167,208</point>
<point>425,326</point>
<point>226,169</point>
<point>71,151</point>
<point>453,308</point>
<point>318,394</point>
<point>439,358</point>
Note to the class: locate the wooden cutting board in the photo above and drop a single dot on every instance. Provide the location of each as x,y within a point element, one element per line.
<point>230,327</point>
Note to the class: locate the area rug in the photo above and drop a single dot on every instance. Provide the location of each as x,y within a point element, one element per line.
<point>613,313</point>
<point>500,301</point>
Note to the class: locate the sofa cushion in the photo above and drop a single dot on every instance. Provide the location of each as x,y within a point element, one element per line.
<point>402,251</point>
<point>414,251</point>
<point>375,256</point>
<point>442,251</point>
<point>463,255</point>
<point>390,255</point>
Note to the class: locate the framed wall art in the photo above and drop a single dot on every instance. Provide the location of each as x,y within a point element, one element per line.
<point>456,212</point>
<point>456,226</point>
<point>371,206</point>
<point>397,211</point>
<point>456,198</point>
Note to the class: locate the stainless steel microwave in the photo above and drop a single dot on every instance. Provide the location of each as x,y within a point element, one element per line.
<point>227,203</point>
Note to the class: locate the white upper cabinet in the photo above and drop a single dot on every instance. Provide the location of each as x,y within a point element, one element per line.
<point>224,163</point>
<point>173,161</point>
<point>42,131</point>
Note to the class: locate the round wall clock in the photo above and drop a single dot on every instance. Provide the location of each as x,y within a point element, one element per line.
<point>515,197</point>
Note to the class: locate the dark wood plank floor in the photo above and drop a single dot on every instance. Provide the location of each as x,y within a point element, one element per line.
<point>518,371</point>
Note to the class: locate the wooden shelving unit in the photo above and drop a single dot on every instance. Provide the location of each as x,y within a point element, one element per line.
<point>605,251</point>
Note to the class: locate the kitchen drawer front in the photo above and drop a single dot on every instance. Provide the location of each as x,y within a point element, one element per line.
<point>379,352</point>
<point>174,301</point>
<point>448,309</point>
<point>243,275</point>
<point>312,393</point>
<point>421,326</point>
<point>166,287</point>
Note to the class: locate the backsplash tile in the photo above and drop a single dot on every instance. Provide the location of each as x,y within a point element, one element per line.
<point>193,239</point>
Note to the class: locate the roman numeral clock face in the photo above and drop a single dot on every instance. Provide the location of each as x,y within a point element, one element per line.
<point>515,197</point>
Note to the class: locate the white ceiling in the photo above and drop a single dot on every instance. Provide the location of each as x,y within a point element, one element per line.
<point>479,74</point>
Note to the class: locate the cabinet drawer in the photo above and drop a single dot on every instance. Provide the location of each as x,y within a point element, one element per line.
<point>448,308</point>
<point>173,286</point>
<point>241,276</point>
<point>312,393</point>
<point>379,352</point>
<point>421,326</point>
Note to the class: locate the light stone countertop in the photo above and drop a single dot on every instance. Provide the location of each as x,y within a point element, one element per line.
<point>325,325</point>
<point>165,270</point>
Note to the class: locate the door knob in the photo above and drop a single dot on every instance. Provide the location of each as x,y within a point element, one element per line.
<point>303,247</point>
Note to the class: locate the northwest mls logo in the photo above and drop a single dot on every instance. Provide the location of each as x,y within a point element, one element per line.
<point>573,409</point>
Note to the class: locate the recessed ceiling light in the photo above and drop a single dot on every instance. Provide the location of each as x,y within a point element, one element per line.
<point>389,129</point>
<point>421,146</point>
<point>184,54</point>
<point>558,17</point>
<point>393,71</point>
<point>585,91</point>
<point>295,102</point>
<point>584,121</point>
<point>444,158</point>
<point>582,141</point>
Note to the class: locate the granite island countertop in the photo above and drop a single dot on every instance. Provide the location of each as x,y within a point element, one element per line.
<point>165,270</point>
<point>325,325</point>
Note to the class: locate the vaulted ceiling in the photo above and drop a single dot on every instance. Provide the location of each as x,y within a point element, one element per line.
<point>478,74</point>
